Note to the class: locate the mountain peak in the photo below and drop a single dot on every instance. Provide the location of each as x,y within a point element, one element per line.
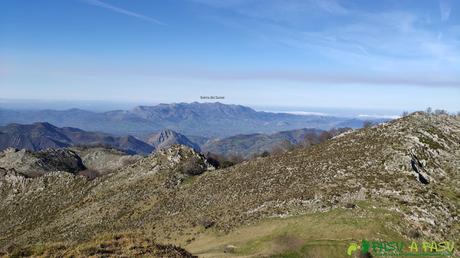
<point>168,137</point>
<point>207,119</point>
<point>42,135</point>
<point>36,125</point>
<point>397,180</point>
<point>44,124</point>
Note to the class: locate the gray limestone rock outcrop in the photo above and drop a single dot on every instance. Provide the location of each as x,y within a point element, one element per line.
<point>33,164</point>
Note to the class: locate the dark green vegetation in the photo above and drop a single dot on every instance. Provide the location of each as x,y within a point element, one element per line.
<point>307,202</point>
<point>201,119</point>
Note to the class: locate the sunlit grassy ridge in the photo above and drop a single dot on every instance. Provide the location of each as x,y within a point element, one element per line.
<point>325,234</point>
<point>308,202</point>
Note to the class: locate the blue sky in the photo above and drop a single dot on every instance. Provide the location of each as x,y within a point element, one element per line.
<point>323,53</point>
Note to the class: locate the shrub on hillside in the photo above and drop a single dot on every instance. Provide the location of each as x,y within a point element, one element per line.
<point>192,166</point>
<point>90,174</point>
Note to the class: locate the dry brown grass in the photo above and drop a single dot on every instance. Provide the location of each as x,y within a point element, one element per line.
<point>109,245</point>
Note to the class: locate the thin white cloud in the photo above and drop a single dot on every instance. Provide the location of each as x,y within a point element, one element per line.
<point>331,6</point>
<point>194,74</point>
<point>364,116</point>
<point>390,41</point>
<point>278,11</point>
<point>302,113</point>
<point>122,11</point>
<point>445,10</point>
<point>391,79</point>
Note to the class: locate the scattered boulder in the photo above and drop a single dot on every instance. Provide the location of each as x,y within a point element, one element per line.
<point>184,160</point>
<point>229,249</point>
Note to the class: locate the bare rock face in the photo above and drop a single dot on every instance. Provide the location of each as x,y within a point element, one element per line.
<point>33,164</point>
<point>104,160</point>
<point>167,138</point>
<point>187,160</point>
<point>178,159</point>
<point>174,191</point>
<point>9,177</point>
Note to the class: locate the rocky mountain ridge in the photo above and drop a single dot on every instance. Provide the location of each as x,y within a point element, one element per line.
<point>200,119</point>
<point>40,136</point>
<point>367,177</point>
<point>247,146</point>
<point>35,164</point>
<point>166,138</point>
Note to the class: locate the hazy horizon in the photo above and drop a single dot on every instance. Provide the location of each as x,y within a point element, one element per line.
<point>288,128</point>
<point>103,106</point>
<point>337,54</point>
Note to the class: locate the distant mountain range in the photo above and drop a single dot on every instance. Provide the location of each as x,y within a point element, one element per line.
<point>246,145</point>
<point>196,119</point>
<point>40,136</point>
<point>399,180</point>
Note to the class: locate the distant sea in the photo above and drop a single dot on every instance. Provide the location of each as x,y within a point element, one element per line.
<point>360,113</point>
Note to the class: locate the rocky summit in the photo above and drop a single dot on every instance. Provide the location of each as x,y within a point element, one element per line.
<point>166,138</point>
<point>396,181</point>
<point>33,164</point>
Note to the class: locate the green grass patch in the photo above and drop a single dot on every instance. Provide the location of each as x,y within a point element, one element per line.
<point>432,144</point>
<point>325,234</point>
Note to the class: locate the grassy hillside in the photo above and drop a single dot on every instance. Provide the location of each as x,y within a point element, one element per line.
<point>305,203</point>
